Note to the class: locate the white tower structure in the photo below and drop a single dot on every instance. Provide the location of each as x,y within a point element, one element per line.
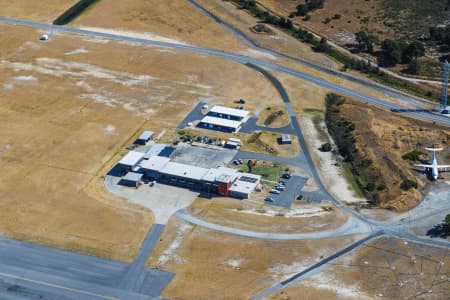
<point>445,108</point>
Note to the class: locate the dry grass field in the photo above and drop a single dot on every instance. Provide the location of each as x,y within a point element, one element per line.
<point>176,19</point>
<point>41,11</point>
<point>214,265</point>
<point>267,143</point>
<point>269,118</point>
<point>69,106</point>
<point>279,41</point>
<point>383,269</point>
<point>255,216</point>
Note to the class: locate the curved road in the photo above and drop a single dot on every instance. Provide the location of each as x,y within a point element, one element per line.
<point>238,58</point>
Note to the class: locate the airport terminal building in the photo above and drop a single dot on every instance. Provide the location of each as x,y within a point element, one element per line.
<point>221,180</point>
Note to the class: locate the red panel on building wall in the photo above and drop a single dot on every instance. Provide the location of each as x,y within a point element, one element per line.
<point>224,189</point>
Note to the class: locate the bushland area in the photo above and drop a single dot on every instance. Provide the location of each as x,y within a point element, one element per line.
<point>378,149</point>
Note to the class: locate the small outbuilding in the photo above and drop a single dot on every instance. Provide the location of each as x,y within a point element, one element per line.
<point>144,138</point>
<point>131,179</point>
<point>285,139</point>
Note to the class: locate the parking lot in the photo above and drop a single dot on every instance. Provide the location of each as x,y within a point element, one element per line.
<point>203,157</point>
<point>293,187</point>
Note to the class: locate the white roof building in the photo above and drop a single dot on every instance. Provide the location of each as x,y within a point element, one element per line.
<point>221,122</point>
<point>185,171</point>
<point>245,185</point>
<point>155,163</point>
<point>241,113</point>
<point>132,158</point>
<point>220,174</point>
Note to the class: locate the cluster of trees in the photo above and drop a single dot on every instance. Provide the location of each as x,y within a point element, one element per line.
<point>396,52</point>
<point>310,5</point>
<point>441,35</point>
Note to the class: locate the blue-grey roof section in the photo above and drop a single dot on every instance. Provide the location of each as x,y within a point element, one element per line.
<point>133,176</point>
<point>146,135</point>
<point>167,151</point>
<point>154,150</point>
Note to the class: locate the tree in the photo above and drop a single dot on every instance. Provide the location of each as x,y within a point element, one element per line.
<point>314,4</point>
<point>392,52</point>
<point>322,46</point>
<point>365,41</point>
<point>249,165</point>
<point>302,10</point>
<point>414,66</point>
<point>413,51</point>
<point>446,224</point>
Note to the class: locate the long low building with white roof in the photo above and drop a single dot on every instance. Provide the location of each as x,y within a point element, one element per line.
<point>224,119</point>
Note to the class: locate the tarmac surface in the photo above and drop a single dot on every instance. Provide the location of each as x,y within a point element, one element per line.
<point>29,271</point>
<point>294,185</point>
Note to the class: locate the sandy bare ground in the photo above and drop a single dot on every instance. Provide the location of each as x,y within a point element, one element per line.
<point>208,263</point>
<point>328,165</point>
<point>172,20</point>
<point>41,11</point>
<point>383,269</point>
<point>69,107</point>
<point>255,216</point>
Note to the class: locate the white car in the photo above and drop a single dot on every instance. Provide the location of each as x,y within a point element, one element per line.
<point>44,37</point>
<point>274,191</point>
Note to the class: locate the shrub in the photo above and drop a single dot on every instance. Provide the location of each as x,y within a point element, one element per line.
<point>325,147</point>
<point>370,187</point>
<point>408,184</point>
<point>412,156</point>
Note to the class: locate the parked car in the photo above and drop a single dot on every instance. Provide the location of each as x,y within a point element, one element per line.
<point>286,176</point>
<point>280,188</point>
<point>300,197</point>
<point>235,162</point>
<point>274,191</point>
<point>240,161</point>
<point>269,199</point>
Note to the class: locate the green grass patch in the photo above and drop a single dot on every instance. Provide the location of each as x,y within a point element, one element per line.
<point>352,180</point>
<point>267,171</point>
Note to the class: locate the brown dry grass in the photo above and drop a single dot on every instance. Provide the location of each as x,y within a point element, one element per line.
<point>279,121</point>
<point>69,107</point>
<point>175,19</point>
<point>207,263</point>
<point>232,213</point>
<point>267,143</point>
<point>40,11</point>
<point>385,268</point>
<point>341,30</point>
<point>383,138</point>
<point>279,41</point>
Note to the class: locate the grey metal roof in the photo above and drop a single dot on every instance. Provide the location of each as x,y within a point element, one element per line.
<point>146,135</point>
<point>154,150</point>
<point>132,176</point>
